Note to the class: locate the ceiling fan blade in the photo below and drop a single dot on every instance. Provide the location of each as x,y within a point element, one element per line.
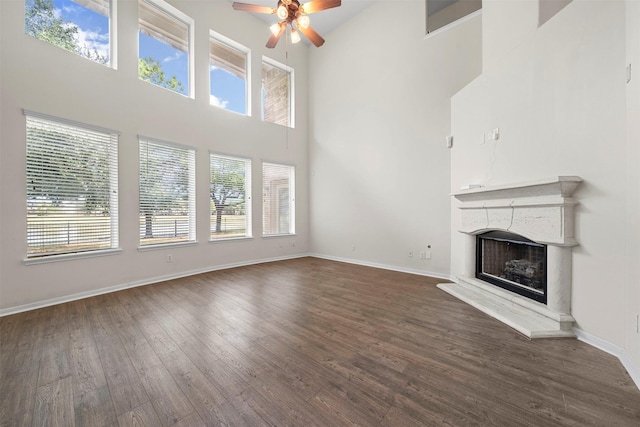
<point>312,35</point>
<point>318,5</point>
<point>273,40</point>
<point>246,7</point>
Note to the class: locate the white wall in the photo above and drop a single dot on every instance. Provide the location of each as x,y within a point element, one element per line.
<point>379,106</point>
<point>40,77</point>
<point>632,223</point>
<point>557,93</point>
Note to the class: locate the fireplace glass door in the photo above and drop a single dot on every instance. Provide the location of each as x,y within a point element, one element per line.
<point>513,262</point>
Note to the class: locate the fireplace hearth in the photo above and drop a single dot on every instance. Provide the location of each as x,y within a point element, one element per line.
<point>518,242</point>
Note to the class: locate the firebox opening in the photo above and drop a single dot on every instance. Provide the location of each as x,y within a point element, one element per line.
<point>513,262</point>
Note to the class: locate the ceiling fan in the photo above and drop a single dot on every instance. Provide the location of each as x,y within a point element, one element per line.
<point>290,12</point>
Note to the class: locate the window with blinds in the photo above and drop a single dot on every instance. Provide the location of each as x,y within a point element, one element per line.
<point>230,192</point>
<point>278,199</point>
<point>228,74</point>
<point>167,193</point>
<point>72,187</point>
<point>165,48</point>
<point>277,93</point>
<point>80,26</point>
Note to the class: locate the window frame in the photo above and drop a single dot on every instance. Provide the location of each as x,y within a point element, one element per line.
<point>271,200</point>
<point>108,142</point>
<point>191,190</point>
<point>291,102</point>
<point>231,44</point>
<point>97,6</point>
<point>172,12</point>
<point>248,164</point>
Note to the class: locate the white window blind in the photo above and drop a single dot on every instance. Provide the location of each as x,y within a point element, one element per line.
<point>72,183</point>
<point>277,93</point>
<point>230,197</point>
<point>278,199</point>
<point>167,193</point>
<point>228,76</point>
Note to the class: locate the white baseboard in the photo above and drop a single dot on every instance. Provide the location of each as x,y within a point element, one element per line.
<point>632,368</point>
<point>386,267</point>
<point>143,282</point>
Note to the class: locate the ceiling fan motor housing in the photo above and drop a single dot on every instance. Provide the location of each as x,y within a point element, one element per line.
<point>292,9</point>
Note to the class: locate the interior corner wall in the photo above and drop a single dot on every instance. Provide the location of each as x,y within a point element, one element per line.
<point>43,78</point>
<point>632,223</point>
<point>558,98</point>
<point>379,103</point>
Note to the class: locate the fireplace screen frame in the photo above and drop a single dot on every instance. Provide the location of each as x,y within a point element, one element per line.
<point>526,291</point>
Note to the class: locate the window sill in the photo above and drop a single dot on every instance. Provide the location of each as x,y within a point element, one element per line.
<point>68,257</point>
<point>270,236</point>
<point>230,239</point>
<point>166,246</point>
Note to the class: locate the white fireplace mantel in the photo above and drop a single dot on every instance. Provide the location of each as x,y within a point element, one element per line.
<point>542,211</point>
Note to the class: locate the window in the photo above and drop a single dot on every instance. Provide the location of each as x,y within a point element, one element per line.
<point>79,26</point>
<point>165,48</point>
<point>72,187</point>
<point>230,197</point>
<point>228,74</point>
<point>277,93</point>
<point>278,199</point>
<point>167,193</point>
<point>441,13</point>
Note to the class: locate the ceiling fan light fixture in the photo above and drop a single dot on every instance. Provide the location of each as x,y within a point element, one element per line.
<point>295,36</point>
<point>303,21</point>
<point>275,29</point>
<point>286,2</point>
<point>283,12</point>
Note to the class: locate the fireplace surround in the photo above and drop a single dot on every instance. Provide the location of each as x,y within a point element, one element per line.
<point>541,214</point>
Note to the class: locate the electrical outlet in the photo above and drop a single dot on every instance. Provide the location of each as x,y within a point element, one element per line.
<point>353,248</point>
<point>169,258</point>
<point>423,255</point>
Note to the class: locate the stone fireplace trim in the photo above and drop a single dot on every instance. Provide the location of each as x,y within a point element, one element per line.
<point>542,211</point>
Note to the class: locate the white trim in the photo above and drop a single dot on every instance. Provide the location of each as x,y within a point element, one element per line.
<point>68,122</point>
<point>143,282</point>
<point>159,141</point>
<point>385,267</point>
<point>158,246</point>
<point>113,34</point>
<point>70,256</point>
<point>455,23</point>
<point>632,369</point>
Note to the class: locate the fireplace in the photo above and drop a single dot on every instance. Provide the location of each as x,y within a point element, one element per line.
<point>512,262</point>
<point>517,251</point>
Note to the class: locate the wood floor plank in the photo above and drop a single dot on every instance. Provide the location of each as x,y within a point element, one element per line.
<point>54,404</point>
<point>303,342</point>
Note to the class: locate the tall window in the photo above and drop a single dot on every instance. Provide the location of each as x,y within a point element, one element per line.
<point>167,193</point>
<point>278,199</point>
<point>277,93</point>
<point>228,74</point>
<point>230,197</point>
<point>165,47</point>
<point>72,187</point>
<point>79,26</point>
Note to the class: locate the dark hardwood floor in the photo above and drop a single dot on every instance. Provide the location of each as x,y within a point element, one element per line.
<point>306,342</point>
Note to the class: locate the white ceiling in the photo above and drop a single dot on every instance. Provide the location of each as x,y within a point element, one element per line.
<point>323,22</point>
